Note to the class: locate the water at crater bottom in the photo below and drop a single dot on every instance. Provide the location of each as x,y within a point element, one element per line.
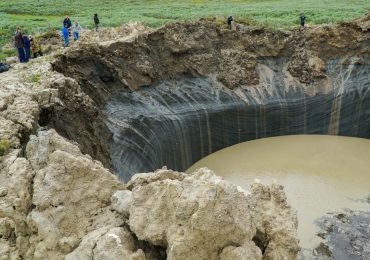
<point>320,173</point>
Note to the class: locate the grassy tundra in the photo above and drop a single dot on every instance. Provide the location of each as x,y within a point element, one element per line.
<point>42,15</point>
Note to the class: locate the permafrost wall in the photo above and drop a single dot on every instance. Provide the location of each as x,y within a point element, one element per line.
<point>178,122</point>
<point>169,97</point>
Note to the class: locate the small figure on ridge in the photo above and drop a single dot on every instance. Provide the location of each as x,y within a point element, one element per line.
<point>229,22</point>
<point>96,22</point>
<point>303,19</point>
<point>65,35</point>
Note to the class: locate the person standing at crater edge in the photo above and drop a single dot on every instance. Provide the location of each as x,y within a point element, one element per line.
<point>27,47</point>
<point>229,22</point>
<point>65,35</point>
<point>19,44</point>
<point>68,24</point>
<point>302,19</point>
<point>76,28</point>
<point>96,22</point>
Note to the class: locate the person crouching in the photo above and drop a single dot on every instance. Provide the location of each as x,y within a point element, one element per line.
<point>35,47</point>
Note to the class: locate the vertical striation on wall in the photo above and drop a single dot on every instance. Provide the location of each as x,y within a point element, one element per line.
<point>178,122</point>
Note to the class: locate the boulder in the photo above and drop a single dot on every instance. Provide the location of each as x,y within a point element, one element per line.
<point>12,60</point>
<point>71,195</point>
<point>107,243</point>
<point>121,202</point>
<point>202,215</point>
<point>16,177</point>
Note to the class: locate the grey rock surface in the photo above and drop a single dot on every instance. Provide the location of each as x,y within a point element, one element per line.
<point>121,202</point>
<point>346,235</point>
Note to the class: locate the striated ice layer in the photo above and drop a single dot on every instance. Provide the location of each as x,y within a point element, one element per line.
<point>178,122</point>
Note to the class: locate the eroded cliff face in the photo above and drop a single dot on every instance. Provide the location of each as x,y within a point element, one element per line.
<point>174,95</point>
<point>59,203</point>
<point>201,83</point>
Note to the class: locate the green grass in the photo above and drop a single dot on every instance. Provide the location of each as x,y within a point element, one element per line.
<point>7,53</point>
<point>36,78</point>
<point>4,147</point>
<point>42,15</point>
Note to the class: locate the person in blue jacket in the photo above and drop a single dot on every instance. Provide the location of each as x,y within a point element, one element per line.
<point>65,35</point>
<point>27,47</point>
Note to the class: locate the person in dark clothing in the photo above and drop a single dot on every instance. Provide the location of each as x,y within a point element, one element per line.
<point>27,47</point>
<point>303,19</point>
<point>229,22</point>
<point>67,22</point>
<point>96,22</point>
<point>19,44</point>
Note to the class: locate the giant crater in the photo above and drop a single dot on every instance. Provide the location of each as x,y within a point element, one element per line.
<point>171,96</point>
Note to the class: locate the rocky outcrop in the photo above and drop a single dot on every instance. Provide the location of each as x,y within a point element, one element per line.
<point>58,203</point>
<point>52,199</point>
<point>16,177</point>
<point>19,112</point>
<point>202,216</point>
<point>71,195</point>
